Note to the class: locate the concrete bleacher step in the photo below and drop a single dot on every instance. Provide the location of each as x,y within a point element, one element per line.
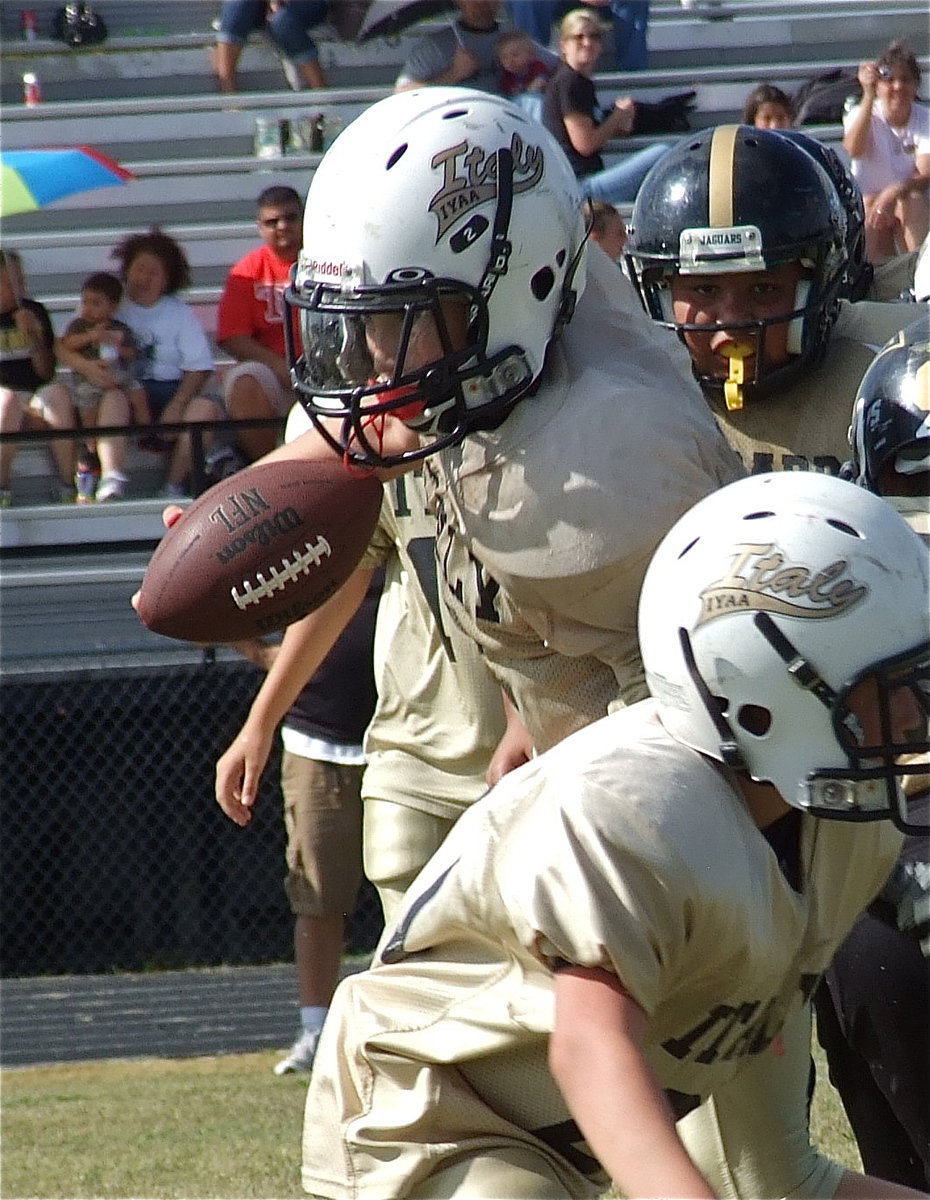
<point>197,175</point>
<point>34,480</point>
<point>173,41</point>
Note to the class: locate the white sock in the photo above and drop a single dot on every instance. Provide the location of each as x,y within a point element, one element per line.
<point>312,1017</point>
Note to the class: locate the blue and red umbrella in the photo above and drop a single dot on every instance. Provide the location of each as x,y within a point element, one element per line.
<point>31,179</point>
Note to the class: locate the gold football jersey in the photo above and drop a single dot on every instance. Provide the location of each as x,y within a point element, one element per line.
<point>621,849</point>
<point>805,426</point>
<point>439,713</point>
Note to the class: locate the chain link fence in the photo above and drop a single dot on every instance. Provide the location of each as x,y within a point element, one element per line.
<point>114,854</point>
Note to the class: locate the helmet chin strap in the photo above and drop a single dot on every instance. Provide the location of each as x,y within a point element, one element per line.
<point>804,673</point>
<point>500,242</point>
<point>730,752</point>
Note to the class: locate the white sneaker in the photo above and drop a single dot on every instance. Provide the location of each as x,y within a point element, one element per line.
<point>112,486</point>
<point>301,1055</point>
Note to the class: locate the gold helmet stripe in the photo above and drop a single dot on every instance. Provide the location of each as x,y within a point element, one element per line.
<point>720,182</point>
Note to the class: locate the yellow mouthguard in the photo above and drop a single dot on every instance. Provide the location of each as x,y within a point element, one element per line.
<point>733,385</point>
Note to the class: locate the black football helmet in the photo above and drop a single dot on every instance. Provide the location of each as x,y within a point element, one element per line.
<point>737,198</point>
<point>859,270</point>
<point>890,431</point>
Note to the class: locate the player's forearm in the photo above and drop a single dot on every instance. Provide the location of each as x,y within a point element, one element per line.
<point>396,438</point>
<point>855,1186</point>
<point>596,1059</point>
<point>303,648</point>
<point>627,1123</point>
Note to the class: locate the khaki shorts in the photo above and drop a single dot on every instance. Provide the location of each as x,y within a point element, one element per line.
<point>280,398</point>
<point>323,818</point>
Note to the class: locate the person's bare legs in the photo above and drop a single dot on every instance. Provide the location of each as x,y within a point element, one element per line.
<point>53,408</point>
<point>11,421</point>
<point>312,75</point>
<point>879,232</point>
<point>247,400</point>
<point>112,410</point>
<point>914,219</point>
<point>226,57</point>
<point>201,408</point>
<point>318,945</point>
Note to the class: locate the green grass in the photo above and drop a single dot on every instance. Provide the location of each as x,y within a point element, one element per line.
<point>194,1127</point>
<point>198,1127</point>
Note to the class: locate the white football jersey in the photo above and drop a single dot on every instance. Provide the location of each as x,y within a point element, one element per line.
<point>547,523</point>
<point>620,849</point>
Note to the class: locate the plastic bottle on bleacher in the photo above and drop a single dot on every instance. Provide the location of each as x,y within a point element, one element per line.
<point>87,476</point>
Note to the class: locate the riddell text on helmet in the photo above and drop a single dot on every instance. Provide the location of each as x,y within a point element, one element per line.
<point>333,270</point>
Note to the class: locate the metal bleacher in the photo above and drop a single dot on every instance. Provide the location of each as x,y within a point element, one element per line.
<point>191,150</point>
<point>147,97</point>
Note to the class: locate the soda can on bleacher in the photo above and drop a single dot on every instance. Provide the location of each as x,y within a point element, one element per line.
<point>32,90</point>
<point>29,25</point>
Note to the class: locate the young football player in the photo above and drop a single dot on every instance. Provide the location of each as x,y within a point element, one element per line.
<point>753,289</point>
<point>740,242</point>
<point>562,432</point>
<point>626,924</point>
<point>438,717</point>
<point>872,1006</point>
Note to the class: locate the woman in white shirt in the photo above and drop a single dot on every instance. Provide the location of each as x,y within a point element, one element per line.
<point>175,360</point>
<point>887,137</point>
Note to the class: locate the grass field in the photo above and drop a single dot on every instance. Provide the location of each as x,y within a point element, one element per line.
<point>198,1127</point>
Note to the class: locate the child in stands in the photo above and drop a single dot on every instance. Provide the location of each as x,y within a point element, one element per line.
<point>101,351</point>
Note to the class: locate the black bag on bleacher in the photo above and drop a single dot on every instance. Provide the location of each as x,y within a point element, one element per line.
<point>78,25</point>
<point>668,115</point>
<point>822,100</point>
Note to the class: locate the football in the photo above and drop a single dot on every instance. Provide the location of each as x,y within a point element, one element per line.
<point>259,550</point>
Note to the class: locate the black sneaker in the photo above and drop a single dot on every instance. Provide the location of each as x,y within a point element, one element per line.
<point>221,462</point>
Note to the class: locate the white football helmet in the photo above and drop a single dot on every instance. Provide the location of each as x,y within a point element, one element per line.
<point>432,200</point>
<point>763,609</point>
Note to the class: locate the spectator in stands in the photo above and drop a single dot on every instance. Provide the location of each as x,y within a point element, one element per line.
<point>175,360</point>
<point>250,323</point>
<point>286,22</point>
<point>101,352</point>
<point>27,365</point>
<point>607,227</point>
<point>887,136</point>
<point>573,116</point>
<point>768,107</point>
<point>629,19</point>
<point>522,71</point>
<point>463,53</point>
<point>322,764</point>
